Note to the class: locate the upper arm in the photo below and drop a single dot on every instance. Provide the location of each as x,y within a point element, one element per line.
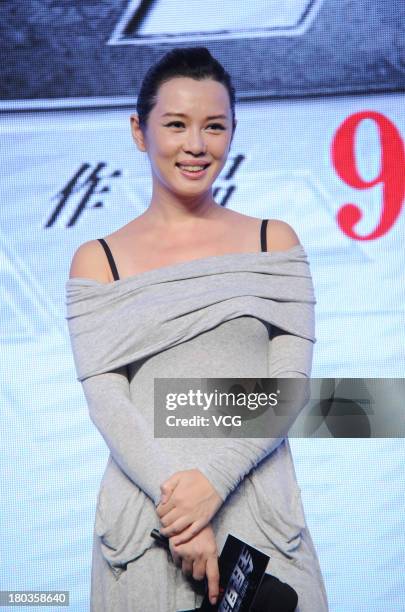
<point>290,355</point>
<point>89,261</point>
<point>280,236</point>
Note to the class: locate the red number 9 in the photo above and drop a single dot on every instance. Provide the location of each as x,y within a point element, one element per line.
<point>391,176</point>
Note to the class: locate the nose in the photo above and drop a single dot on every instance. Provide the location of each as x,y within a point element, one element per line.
<point>195,142</point>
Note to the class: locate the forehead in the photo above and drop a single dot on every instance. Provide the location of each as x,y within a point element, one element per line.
<point>182,93</point>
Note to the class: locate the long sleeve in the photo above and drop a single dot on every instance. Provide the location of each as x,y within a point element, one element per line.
<point>172,305</point>
<point>290,356</point>
<point>125,431</point>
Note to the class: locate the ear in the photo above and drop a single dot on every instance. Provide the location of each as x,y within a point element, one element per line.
<point>137,133</point>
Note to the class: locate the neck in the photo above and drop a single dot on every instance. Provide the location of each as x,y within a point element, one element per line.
<point>168,210</point>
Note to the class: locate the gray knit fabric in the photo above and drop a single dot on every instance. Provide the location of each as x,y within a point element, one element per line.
<point>245,315</point>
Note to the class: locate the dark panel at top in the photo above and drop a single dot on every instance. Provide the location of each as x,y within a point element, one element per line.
<point>101,49</point>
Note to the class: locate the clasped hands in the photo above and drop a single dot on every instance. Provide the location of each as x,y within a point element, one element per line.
<point>188,503</point>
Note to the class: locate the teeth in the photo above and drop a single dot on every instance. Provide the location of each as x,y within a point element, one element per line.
<point>192,168</point>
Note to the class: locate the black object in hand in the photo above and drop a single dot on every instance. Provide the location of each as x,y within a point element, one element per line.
<point>274,595</point>
<point>155,533</point>
<point>241,569</point>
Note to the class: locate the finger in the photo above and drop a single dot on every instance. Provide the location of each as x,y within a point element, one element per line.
<point>169,517</point>
<point>168,505</point>
<point>199,568</point>
<point>167,487</point>
<point>168,484</point>
<point>187,567</point>
<point>187,534</point>
<point>165,495</point>
<point>212,572</point>
<point>175,528</point>
<point>163,509</point>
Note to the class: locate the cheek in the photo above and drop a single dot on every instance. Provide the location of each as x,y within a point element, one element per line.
<point>160,144</point>
<point>166,149</point>
<point>220,147</point>
<point>163,157</point>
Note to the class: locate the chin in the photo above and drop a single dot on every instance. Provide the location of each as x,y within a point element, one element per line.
<point>190,187</point>
<point>187,192</point>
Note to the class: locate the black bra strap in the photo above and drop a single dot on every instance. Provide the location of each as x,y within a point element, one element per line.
<point>263,241</point>
<point>263,236</point>
<point>110,258</point>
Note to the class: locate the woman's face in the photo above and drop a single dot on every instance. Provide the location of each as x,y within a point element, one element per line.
<point>191,123</point>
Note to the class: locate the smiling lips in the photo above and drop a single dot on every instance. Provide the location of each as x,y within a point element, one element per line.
<point>192,170</point>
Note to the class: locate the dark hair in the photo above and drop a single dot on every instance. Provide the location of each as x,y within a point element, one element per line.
<point>194,62</point>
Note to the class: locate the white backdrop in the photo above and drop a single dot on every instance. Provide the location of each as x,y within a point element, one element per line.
<point>53,458</point>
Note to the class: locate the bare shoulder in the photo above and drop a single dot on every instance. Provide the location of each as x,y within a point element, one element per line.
<point>89,261</point>
<point>280,236</point>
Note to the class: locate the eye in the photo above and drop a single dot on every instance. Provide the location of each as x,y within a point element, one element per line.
<point>175,124</point>
<point>217,126</point>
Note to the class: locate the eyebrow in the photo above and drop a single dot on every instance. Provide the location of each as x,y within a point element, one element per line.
<point>183,115</point>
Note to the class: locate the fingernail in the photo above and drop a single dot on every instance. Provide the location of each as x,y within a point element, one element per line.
<point>213,600</point>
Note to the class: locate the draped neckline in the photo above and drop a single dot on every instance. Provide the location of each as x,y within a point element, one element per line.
<point>155,274</point>
<point>113,324</point>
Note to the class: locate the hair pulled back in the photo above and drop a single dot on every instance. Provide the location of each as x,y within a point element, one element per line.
<point>194,62</point>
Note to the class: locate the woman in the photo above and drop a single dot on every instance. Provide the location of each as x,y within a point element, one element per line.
<point>200,300</point>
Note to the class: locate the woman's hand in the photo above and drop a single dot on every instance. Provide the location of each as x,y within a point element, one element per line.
<point>199,557</point>
<point>189,501</point>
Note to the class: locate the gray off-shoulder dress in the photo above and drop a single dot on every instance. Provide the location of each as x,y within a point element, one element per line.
<point>246,315</point>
